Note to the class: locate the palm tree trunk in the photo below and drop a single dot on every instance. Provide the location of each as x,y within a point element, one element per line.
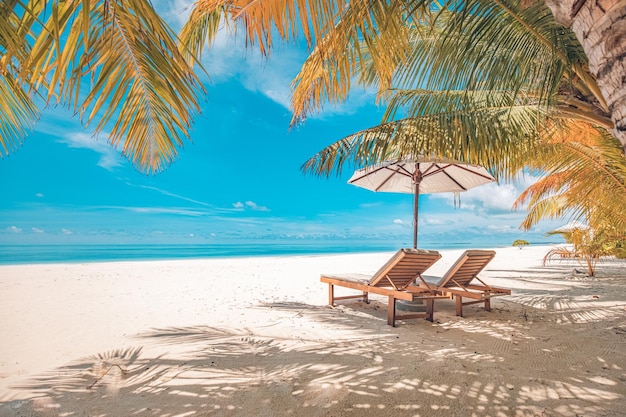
<point>600,26</point>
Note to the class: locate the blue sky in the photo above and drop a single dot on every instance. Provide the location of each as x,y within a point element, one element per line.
<point>239,180</point>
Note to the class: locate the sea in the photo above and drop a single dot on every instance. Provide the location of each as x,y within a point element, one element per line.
<point>36,254</point>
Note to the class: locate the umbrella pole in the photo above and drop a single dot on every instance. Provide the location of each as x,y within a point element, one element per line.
<point>415,211</point>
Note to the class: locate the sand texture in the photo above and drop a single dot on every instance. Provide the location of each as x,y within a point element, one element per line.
<point>255,337</point>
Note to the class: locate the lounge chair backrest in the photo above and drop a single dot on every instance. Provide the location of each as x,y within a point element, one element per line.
<point>403,267</point>
<point>467,267</point>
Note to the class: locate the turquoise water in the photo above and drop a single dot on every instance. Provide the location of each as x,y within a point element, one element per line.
<point>27,254</point>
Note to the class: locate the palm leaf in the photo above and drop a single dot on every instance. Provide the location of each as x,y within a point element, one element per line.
<point>259,20</point>
<point>201,28</point>
<point>468,133</point>
<point>344,33</point>
<point>117,64</point>
<point>370,41</point>
<point>550,207</point>
<point>496,46</point>
<point>19,113</point>
<point>586,174</point>
<point>17,116</point>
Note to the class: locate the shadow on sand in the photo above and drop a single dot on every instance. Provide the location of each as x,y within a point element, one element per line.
<point>490,364</point>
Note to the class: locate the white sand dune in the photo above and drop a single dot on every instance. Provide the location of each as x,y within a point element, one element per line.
<point>254,337</point>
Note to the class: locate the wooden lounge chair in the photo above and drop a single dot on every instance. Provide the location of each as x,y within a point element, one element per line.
<point>459,281</point>
<point>396,280</point>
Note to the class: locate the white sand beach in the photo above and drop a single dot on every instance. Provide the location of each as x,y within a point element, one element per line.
<point>255,337</point>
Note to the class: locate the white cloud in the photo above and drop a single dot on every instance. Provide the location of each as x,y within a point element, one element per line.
<point>37,230</point>
<point>174,12</point>
<point>249,205</point>
<point>370,205</point>
<point>433,221</point>
<point>169,194</point>
<point>490,197</point>
<point>109,157</point>
<point>398,221</point>
<point>163,210</point>
<point>228,57</point>
<point>39,195</point>
<point>253,206</point>
<point>501,228</point>
<point>66,231</point>
<point>13,229</point>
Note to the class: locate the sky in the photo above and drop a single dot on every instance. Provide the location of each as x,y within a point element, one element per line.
<point>238,180</point>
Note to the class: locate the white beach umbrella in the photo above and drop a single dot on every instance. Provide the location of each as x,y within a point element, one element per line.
<point>420,176</point>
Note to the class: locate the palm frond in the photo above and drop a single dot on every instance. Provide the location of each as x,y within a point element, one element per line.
<point>546,186</point>
<point>12,34</point>
<point>117,62</point>
<point>585,170</point>
<point>550,207</point>
<point>470,134</point>
<point>370,41</point>
<point>259,21</point>
<point>344,33</point>
<point>201,28</point>
<point>18,114</point>
<point>474,45</point>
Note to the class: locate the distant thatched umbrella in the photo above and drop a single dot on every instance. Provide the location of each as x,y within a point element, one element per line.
<point>571,227</point>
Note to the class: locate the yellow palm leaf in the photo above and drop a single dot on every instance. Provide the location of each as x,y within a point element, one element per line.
<point>116,63</point>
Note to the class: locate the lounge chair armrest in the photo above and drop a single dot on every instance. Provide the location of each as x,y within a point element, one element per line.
<point>356,278</point>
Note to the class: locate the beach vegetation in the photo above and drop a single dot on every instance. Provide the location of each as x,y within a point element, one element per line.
<point>589,246</point>
<point>507,88</point>
<point>365,42</point>
<point>487,87</point>
<point>585,180</point>
<point>116,64</point>
<point>520,243</point>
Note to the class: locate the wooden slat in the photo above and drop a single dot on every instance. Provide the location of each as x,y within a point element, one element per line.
<point>392,280</point>
<point>467,267</point>
<point>404,267</point>
<point>457,281</point>
<point>401,295</point>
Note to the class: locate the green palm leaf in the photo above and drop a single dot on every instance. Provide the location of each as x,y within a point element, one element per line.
<point>463,131</point>
<point>369,42</point>
<point>498,46</point>
<point>491,83</point>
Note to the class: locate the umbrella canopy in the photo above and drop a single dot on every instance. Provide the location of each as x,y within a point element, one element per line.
<point>420,176</point>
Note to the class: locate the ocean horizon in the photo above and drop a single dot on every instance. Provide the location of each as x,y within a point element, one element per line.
<point>75,253</point>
